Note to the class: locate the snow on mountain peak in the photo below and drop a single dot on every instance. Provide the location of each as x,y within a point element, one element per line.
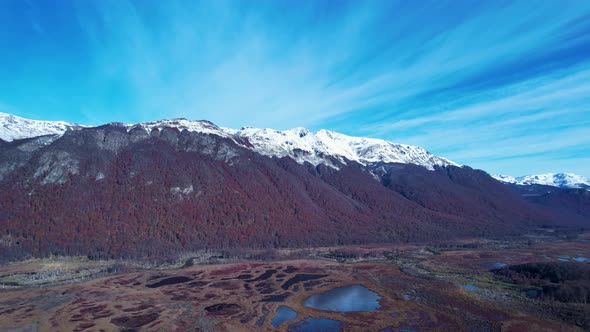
<point>13,127</point>
<point>199,126</point>
<point>304,145</point>
<point>562,180</point>
<point>504,178</point>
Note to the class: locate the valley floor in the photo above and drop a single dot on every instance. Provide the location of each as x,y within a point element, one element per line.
<point>422,288</point>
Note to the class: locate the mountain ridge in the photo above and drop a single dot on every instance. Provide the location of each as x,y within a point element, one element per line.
<point>560,180</point>
<point>299,143</point>
<point>324,146</point>
<point>13,127</point>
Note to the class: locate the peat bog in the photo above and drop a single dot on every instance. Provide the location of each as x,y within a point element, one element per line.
<point>489,285</point>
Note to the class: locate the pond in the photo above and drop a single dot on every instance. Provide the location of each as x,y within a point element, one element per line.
<point>315,324</point>
<point>283,314</point>
<point>470,288</point>
<point>345,299</point>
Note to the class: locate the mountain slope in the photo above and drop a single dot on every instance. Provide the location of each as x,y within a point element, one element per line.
<point>110,192</point>
<point>157,188</point>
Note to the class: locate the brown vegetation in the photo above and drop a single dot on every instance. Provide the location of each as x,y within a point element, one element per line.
<point>107,193</point>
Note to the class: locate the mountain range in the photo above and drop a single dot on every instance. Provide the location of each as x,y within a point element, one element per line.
<point>561,180</point>
<point>298,143</point>
<point>148,189</point>
<point>324,147</point>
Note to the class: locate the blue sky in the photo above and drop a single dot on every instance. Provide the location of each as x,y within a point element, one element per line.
<point>498,85</point>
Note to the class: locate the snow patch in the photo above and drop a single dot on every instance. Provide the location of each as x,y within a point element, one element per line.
<point>13,127</point>
<point>182,191</point>
<point>201,126</point>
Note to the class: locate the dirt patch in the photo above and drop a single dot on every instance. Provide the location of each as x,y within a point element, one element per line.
<point>135,321</point>
<point>229,270</point>
<point>226,285</point>
<point>140,307</point>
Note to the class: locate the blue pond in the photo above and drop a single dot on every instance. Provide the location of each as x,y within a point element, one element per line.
<point>470,288</point>
<point>345,299</point>
<point>499,264</point>
<point>282,315</point>
<point>315,324</point>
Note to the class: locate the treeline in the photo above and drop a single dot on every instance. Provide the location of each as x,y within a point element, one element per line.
<point>557,281</point>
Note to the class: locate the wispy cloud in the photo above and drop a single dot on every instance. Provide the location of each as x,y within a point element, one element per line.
<point>541,116</point>
<point>478,82</point>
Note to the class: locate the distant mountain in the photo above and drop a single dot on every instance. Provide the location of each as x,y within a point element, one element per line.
<point>150,189</point>
<point>561,180</point>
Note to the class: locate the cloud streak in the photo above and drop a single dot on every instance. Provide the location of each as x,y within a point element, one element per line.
<point>492,84</point>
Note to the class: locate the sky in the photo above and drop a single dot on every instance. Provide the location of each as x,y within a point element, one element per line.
<point>502,86</point>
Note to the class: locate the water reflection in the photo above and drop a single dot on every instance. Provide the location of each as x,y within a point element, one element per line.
<point>283,314</point>
<point>345,299</point>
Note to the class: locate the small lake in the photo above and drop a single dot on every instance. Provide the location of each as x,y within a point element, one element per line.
<point>315,324</point>
<point>345,299</point>
<point>470,288</point>
<point>283,314</point>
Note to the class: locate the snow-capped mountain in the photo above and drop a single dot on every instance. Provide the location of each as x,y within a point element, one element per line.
<point>201,126</point>
<point>504,178</point>
<point>322,147</point>
<point>180,184</point>
<point>13,127</point>
<point>561,180</point>
<point>306,146</point>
